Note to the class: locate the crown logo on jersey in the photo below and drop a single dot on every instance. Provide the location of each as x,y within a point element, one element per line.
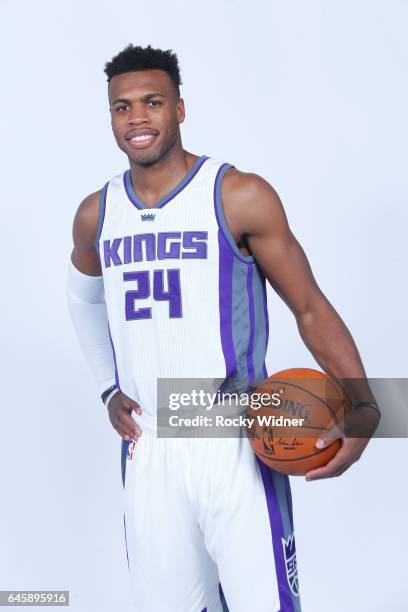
<point>148,217</point>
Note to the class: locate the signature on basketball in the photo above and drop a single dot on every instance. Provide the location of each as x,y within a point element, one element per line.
<point>288,443</point>
<point>270,443</point>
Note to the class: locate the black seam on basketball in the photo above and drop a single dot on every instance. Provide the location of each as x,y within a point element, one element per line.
<point>304,390</point>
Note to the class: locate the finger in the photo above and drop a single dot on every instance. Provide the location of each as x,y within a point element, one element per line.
<point>344,469</point>
<point>122,434</point>
<point>132,404</point>
<point>125,435</point>
<point>333,468</point>
<point>329,437</point>
<point>137,408</point>
<point>137,432</point>
<point>125,425</point>
<point>352,448</point>
<point>320,474</point>
<point>337,463</point>
<point>129,426</point>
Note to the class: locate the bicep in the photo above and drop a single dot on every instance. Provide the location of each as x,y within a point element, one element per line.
<point>84,254</point>
<point>280,256</point>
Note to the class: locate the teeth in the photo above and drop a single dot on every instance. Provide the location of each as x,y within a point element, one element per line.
<point>142,137</point>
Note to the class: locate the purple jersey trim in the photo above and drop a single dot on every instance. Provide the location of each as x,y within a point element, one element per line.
<point>136,201</point>
<point>225,304</point>
<point>250,353</point>
<point>114,359</point>
<point>221,221</point>
<point>265,307</point>
<point>101,213</point>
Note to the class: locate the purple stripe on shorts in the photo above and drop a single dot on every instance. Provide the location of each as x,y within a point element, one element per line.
<point>226,262</point>
<point>123,459</point>
<point>275,519</point>
<point>127,553</point>
<point>250,353</point>
<point>222,598</point>
<point>114,359</point>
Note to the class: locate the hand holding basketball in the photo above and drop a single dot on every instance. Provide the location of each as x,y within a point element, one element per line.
<point>362,421</point>
<point>284,434</point>
<point>331,436</point>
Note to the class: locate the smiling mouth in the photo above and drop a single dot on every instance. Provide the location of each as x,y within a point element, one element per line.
<point>142,141</point>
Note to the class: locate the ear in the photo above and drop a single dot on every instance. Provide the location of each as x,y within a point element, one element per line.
<point>180,110</point>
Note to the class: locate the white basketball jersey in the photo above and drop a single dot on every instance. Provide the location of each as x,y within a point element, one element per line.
<point>182,300</point>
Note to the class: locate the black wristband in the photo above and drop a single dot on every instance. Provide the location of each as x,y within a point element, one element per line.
<point>107,392</point>
<point>369,405</point>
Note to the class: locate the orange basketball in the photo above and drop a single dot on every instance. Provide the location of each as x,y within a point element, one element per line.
<point>309,396</point>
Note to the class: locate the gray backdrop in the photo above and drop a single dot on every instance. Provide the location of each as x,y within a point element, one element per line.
<point>312,96</point>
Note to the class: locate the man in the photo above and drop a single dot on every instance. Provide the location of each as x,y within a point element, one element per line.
<point>167,280</point>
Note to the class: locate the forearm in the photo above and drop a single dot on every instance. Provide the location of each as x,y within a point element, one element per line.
<point>87,308</point>
<point>331,344</point>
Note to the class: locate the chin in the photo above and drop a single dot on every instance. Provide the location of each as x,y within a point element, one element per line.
<point>146,158</point>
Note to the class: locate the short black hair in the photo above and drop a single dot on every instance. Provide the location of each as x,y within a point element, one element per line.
<point>144,58</point>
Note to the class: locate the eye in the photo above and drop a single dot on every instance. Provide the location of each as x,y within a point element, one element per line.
<point>121,107</point>
<point>154,103</point>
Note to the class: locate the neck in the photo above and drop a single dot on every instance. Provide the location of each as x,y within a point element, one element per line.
<point>152,182</point>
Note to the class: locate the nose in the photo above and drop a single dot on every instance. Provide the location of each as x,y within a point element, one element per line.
<point>137,114</point>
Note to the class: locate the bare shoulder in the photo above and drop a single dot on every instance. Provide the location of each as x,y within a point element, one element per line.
<point>86,221</point>
<point>250,201</point>
<point>84,254</point>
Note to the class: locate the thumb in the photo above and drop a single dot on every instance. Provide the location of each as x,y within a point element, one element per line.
<point>132,404</point>
<point>328,437</point>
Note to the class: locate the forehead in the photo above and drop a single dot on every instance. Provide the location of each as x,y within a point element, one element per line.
<point>135,84</point>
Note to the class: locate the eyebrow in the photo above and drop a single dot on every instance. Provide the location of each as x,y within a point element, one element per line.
<point>144,98</point>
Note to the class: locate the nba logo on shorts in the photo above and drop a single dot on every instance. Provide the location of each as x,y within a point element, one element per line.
<point>289,551</point>
<point>130,449</point>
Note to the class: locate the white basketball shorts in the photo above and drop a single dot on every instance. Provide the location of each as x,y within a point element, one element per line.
<point>208,527</point>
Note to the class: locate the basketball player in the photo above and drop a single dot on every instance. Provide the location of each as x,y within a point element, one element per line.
<point>167,280</point>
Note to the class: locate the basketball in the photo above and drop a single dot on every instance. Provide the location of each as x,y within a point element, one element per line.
<point>289,412</point>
